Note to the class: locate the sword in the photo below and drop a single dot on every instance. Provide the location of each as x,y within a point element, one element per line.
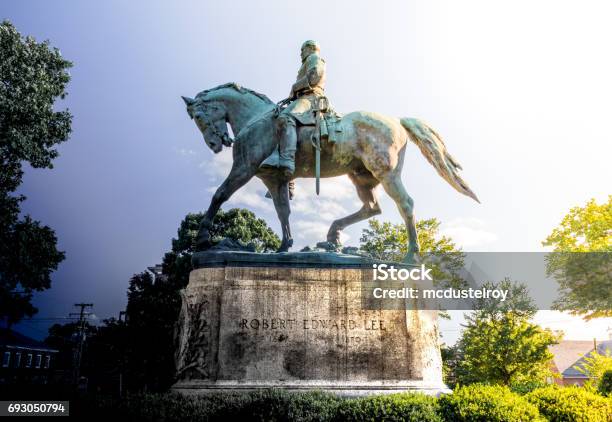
<point>322,105</point>
<point>316,142</point>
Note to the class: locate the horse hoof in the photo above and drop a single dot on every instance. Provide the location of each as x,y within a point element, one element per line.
<point>284,247</point>
<point>329,246</point>
<point>334,238</point>
<point>203,243</point>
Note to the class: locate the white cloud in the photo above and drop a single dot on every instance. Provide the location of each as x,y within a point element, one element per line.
<point>253,198</point>
<point>186,152</point>
<point>337,188</point>
<point>312,232</point>
<point>323,209</point>
<point>337,194</point>
<point>251,195</point>
<point>305,229</point>
<point>218,165</point>
<point>468,232</point>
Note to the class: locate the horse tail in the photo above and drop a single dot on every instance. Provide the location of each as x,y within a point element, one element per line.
<point>433,148</point>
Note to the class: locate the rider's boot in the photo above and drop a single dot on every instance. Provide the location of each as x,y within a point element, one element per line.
<point>288,142</point>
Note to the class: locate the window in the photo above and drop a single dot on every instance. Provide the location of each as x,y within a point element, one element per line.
<point>6,359</point>
<point>47,361</point>
<point>38,360</point>
<point>29,361</point>
<point>17,359</point>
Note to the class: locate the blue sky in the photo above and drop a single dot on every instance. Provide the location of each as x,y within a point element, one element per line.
<point>519,90</point>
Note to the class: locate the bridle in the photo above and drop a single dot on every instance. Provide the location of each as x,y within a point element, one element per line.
<point>225,138</point>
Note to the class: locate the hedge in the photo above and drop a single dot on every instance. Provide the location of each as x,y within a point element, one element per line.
<point>571,403</point>
<point>264,405</point>
<point>487,403</point>
<point>470,403</point>
<point>390,408</point>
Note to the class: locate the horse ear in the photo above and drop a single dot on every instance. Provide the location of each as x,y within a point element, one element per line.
<point>188,101</point>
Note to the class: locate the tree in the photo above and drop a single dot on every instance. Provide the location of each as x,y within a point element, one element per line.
<point>499,345</point>
<point>32,77</point>
<point>389,242</point>
<point>237,224</point>
<point>450,358</point>
<point>604,387</point>
<point>594,365</point>
<point>580,261</point>
<point>154,304</point>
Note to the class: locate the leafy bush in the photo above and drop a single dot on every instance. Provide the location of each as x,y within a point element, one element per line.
<point>605,384</point>
<point>487,403</point>
<point>264,405</point>
<point>268,405</point>
<point>528,386</point>
<point>472,403</point>
<point>394,407</point>
<point>571,404</point>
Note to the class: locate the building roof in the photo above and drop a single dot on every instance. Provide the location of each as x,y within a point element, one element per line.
<point>603,348</point>
<point>569,353</point>
<point>13,339</point>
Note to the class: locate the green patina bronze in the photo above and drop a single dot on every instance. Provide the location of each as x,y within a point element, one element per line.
<point>281,142</point>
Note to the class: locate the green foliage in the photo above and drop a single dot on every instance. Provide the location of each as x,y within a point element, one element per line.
<point>450,356</point>
<point>500,346</point>
<point>389,242</point>
<point>593,365</point>
<point>273,405</point>
<point>571,404</point>
<point>518,302</point>
<point>469,403</point>
<point>604,386</point>
<point>581,261</point>
<point>236,224</point>
<point>152,311</point>
<point>523,386</point>
<point>266,405</point>
<point>486,403</point>
<point>584,229</point>
<point>32,77</point>
<point>394,407</point>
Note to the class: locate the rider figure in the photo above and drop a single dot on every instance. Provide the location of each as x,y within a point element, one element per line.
<point>305,92</point>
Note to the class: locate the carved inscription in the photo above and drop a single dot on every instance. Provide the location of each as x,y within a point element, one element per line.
<point>311,324</point>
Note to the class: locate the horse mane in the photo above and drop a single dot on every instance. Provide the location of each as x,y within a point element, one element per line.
<point>234,85</point>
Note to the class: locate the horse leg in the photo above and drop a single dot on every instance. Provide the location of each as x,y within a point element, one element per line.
<point>392,183</point>
<point>279,190</point>
<point>365,184</point>
<point>237,178</point>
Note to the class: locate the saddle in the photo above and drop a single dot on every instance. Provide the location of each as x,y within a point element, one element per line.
<point>322,124</point>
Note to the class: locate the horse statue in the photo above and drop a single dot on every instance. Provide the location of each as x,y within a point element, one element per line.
<point>370,150</point>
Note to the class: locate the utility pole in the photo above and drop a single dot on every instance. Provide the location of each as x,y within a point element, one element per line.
<point>81,329</point>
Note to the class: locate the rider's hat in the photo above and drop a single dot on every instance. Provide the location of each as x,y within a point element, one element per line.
<point>311,43</point>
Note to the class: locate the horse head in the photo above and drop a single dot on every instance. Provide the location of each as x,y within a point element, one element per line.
<point>211,119</point>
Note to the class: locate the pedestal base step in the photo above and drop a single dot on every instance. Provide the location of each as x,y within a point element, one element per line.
<point>345,389</point>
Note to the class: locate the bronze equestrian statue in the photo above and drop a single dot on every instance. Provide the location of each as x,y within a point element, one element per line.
<point>277,144</point>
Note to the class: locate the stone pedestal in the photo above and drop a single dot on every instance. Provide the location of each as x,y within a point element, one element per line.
<point>296,321</point>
